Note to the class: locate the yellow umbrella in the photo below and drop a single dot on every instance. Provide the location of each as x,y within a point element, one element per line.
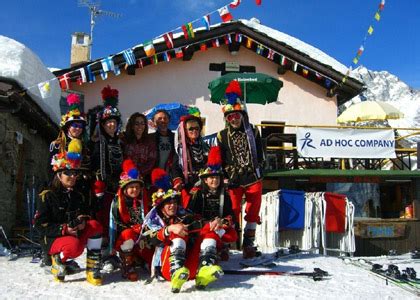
<point>370,111</point>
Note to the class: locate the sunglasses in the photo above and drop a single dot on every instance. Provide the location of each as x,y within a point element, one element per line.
<point>139,123</point>
<point>233,116</point>
<point>193,128</point>
<point>70,173</point>
<point>77,125</point>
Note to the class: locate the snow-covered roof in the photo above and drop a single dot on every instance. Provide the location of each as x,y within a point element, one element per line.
<point>297,44</point>
<point>19,63</point>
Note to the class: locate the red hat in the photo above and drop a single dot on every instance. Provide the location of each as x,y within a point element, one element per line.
<point>73,114</point>
<point>110,110</point>
<point>233,102</point>
<point>162,181</point>
<point>214,163</point>
<point>129,174</point>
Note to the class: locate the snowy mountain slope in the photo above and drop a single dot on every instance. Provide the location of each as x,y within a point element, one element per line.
<point>384,86</point>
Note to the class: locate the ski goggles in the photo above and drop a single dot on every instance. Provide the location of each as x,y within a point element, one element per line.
<point>193,128</point>
<point>233,116</point>
<point>77,125</point>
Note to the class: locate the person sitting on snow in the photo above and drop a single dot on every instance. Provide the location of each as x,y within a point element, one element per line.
<point>211,203</point>
<point>128,210</point>
<point>63,222</point>
<point>168,227</point>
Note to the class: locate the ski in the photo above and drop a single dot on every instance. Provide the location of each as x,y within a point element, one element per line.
<point>316,275</point>
<point>376,269</point>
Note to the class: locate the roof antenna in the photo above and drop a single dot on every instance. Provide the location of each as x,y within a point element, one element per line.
<point>94,13</point>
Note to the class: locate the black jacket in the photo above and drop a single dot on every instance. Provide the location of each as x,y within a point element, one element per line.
<point>54,209</point>
<point>237,175</point>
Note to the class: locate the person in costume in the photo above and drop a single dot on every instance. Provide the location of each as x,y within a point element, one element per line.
<point>192,152</point>
<point>242,158</point>
<point>164,140</point>
<point>107,155</point>
<point>128,210</point>
<point>139,146</point>
<point>211,203</point>
<point>63,222</point>
<point>168,227</point>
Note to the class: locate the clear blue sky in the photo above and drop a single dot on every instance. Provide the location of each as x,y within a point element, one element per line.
<point>334,26</point>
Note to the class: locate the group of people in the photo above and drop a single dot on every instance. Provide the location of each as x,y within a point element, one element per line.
<point>165,200</point>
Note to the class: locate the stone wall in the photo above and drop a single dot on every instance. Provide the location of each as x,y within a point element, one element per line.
<point>24,167</point>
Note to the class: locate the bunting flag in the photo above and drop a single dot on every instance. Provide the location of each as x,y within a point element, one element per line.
<point>188,31</point>
<point>235,3</point>
<point>149,49</point>
<point>107,64</point>
<point>117,70</point>
<point>248,43</point>
<point>169,39</point>
<point>166,56</point>
<point>305,73</point>
<point>270,54</point>
<point>82,75</point>
<point>258,2</point>
<point>225,15</point>
<point>140,63</point>
<point>206,21</point>
<point>44,89</point>
<point>215,43</point>
<point>129,57</point>
<point>104,75</point>
<point>295,66</point>
<point>179,53</point>
<point>327,83</point>
<point>228,39</point>
<point>203,47</point>
<point>370,30</point>
<point>154,59</point>
<point>360,51</point>
<point>260,49</point>
<point>238,38</point>
<point>283,60</point>
<point>64,81</point>
<point>377,16</point>
<point>318,76</point>
<point>381,5</point>
<point>91,76</point>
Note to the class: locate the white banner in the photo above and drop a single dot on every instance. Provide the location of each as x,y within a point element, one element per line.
<point>345,143</point>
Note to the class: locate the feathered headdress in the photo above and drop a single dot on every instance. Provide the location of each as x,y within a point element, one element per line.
<point>162,182</point>
<point>214,163</point>
<point>110,102</point>
<point>233,95</point>
<point>129,173</point>
<point>70,159</point>
<point>73,113</point>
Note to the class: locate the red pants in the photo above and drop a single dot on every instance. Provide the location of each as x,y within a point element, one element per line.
<point>253,194</point>
<point>72,246</point>
<point>145,253</point>
<point>193,253</point>
<point>103,214</point>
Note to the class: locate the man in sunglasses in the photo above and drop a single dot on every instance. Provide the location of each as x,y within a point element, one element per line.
<point>242,159</point>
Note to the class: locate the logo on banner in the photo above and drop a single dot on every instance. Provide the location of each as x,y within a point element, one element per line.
<point>307,141</point>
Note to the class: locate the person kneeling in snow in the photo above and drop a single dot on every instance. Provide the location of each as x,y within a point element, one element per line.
<point>211,203</point>
<point>168,227</point>
<point>62,221</point>
<point>128,209</point>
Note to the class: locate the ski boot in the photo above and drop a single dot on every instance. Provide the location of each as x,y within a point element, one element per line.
<point>72,267</point>
<point>249,250</point>
<point>93,267</point>
<point>127,265</point>
<point>179,273</point>
<point>58,269</point>
<point>224,253</point>
<point>208,270</point>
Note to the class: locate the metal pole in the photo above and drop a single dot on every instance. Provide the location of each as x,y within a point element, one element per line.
<point>92,25</point>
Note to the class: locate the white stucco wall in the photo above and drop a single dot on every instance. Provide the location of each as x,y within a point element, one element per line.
<point>300,101</point>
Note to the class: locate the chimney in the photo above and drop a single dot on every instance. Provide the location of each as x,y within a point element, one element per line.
<point>80,50</point>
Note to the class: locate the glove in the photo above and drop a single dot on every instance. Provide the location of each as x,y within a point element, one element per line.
<point>99,188</point>
<point>136,228</point>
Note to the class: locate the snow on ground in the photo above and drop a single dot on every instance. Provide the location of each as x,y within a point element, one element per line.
<point>23,280</point>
